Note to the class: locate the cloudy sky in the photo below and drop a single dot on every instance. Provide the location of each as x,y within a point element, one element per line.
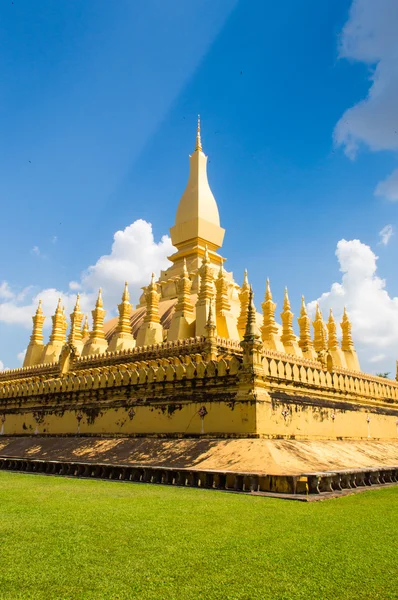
<point>98,105</point>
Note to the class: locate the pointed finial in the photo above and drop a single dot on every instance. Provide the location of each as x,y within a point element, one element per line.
<point>40,308</point>
<point>303,311</point>
<point>99,303</point>
<point>198,138</point>
<point>153,281</point>
<point>126,295</point>
<point>59,305</point>
<point>268,294</point>
<point>286,301</point>
<point>245,278</point>
<point>318,314</point>
<point>77,305</point>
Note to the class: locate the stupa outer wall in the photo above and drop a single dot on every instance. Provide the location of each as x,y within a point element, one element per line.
<point>191,395</point>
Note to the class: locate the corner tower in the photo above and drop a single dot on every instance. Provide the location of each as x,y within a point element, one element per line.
<point>197,223</point>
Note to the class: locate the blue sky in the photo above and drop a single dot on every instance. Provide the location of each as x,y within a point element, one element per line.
<point>98,105</point>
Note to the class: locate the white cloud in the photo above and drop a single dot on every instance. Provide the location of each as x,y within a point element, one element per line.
<point>389,187</point>
<point>36,251</point>
<point>5,291</point>
<point>377,358</point>
<point>133,257</point>
<point>54,239</point>
<point>373,312</point>
<point>370,36</point>
<point>21,356</point>
<point>385,234</point>
<point>2,367</point>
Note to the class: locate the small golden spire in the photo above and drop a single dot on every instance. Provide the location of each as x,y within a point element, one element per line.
<point>152,298</point>
<point>38,320</point>
<point>124,308</point>
<point>287,338</point>
<point>320,343</point>
<point>198,138</point>
<point>59,329</point>
<point>346,341</point>
<point>184,284</point>
<point>305,341</point>
<point>222,288</point>
<point>98,319</point>
<point>35,348</point>
<point>269,327</point>
<point>86,329</point>
<point>333,343</point>
<point>76,317</point>
<point>244,299</point>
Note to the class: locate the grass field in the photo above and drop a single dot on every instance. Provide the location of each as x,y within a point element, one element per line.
<point>85,539</point>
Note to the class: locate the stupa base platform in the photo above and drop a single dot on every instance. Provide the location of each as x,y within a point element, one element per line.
<point>260,466</point>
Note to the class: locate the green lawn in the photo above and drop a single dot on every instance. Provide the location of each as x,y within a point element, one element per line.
<point>68,538</point>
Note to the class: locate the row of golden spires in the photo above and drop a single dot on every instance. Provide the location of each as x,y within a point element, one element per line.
<point>188,321</point>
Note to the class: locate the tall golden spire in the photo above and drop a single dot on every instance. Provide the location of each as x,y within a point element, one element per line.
<point>197,220</point>
<point>35,347</point>
<point>96,343</point>
<point>123,338</point>
<point>288,337</point>
<point>244,298</point>
<point>269,329</point>
<point>151,331</point>
<point>305,341</point>
<point>320,343</point>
